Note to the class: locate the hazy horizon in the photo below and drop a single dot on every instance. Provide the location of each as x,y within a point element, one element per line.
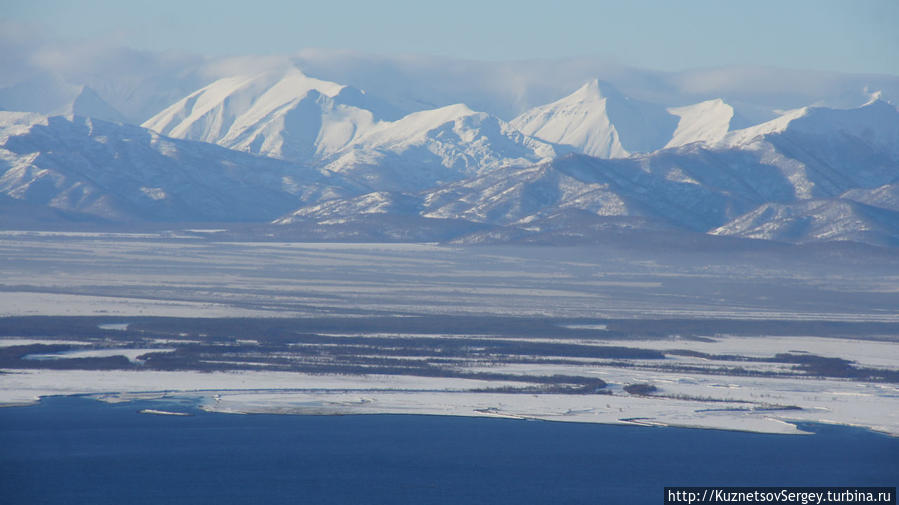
<point>807,35</point>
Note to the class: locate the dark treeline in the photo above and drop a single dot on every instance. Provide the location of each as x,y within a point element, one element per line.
<point>523,327</point>
<point>441,347</point>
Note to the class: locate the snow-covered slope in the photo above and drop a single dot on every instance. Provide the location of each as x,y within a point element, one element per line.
<point>434,146</point>
<point>523,195</point>
<point>825,152</point>
<point>700,186</point>
<point>817,220</point>
<point>886,196</point>
<point>876,122</point>
<point>520,195</point>
<point>599,121</point>
<point>708,121</point>
<point>341,129</point>
<point>93,169</point>
<point>379,202</point>
<point>282,114</point>
<point>347,158</point>
<point>508,89</point>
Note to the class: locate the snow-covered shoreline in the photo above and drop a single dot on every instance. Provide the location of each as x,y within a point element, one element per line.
<point>778,405</point>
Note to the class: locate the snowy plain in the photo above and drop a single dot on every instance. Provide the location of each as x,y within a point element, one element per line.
<point>572,289</point>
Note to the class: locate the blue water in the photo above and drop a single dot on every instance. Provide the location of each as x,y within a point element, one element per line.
<point>79,451</point>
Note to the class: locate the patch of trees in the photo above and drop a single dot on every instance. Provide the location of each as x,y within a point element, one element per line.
<point>279,329</point>
<point>640,389</point>
<point>836,367</point>
<point>553,384</point>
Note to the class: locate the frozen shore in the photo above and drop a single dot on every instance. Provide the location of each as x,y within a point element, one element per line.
<point>764,406</point>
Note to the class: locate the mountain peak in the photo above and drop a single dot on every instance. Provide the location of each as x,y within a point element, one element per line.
<point>707,121</point>
<point>88,103</point>
<point>281,113</point>
<point>579,120</point>
<point>418,124</point>
<point>436,145</point>
<point>589,89</point>
<point>594,90</point>
<point>876,103</point>
<point>875,96</point>
<point>600,121</point>
<point>295,83</point>
<point>457,110</point>
<point>877,122</point>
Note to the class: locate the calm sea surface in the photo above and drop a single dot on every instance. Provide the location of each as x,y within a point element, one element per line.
<point>80,451</point>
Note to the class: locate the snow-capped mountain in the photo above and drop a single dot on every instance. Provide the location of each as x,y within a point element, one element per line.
<point>279,146</point>
<point>140,84</point>
<point>825,152</point>
<point>53,96</point>
<point>507,89</point>
<point>708,122</point>
<point>873,123</point>
<point>299,118</point>
<point>435,146</point>
<point>281,114</point>
<point>599,121</point>
<point>96,170</point>
<point>701,186</point>
<point>520,195</point>
<point>89,104</point>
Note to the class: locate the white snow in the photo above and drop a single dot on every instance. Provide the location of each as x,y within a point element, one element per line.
<point>579,120</point>
<point>18,303</point>
<point>131,354</point>
<point>739,402</point>
<point>876,122</point>
<point>751,404</point>
<point>865,353</point>
<point>229,279</point>
<point>708,121</point>
<point>221,279</point>
<point>432,146</point>
<point>566,408</point>
<point>600,121</point>
<point>15,341</point>
<point>776,125</point>
<point>17,386</point>
<point>284,114</point>
<point>585,326</point>
<point>292,116</point>
<point>114,326</point>
<point>162,412</point>
<point>18,123</point>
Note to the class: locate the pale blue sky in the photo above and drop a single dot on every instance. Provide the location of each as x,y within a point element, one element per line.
<point>849,35</point>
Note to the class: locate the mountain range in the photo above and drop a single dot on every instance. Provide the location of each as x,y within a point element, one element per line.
<point>305,156</point>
